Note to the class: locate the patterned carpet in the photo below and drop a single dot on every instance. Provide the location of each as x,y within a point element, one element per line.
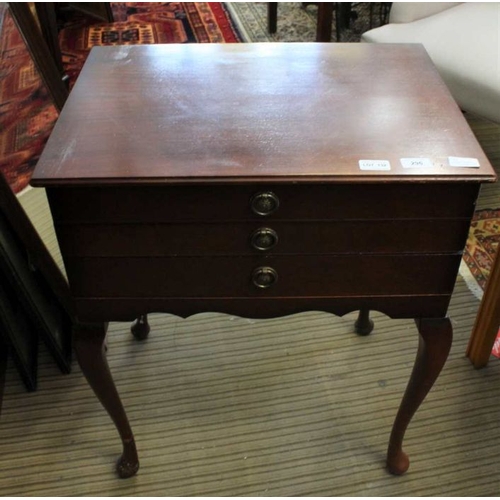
<point>27,115</point>
<point>482,244</point>
<point>297,21</point>
<point>484,234</point>
<point>146,23</point>
<point>26,111</point>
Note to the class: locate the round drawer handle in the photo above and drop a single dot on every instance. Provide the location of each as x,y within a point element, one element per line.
<point>264,238</point>
<point>264,277</point>
<point>264,203</point>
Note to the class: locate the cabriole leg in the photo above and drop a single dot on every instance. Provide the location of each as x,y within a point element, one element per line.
<point>363,325</point>
<point>140,327</point>
<point>91,355</point>
<point>435,336</point>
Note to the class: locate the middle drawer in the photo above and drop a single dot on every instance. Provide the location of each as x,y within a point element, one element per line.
<point>266,237</point>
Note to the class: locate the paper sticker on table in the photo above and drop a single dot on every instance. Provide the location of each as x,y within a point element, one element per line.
<point>374,165</point>
<point>458,161</point>
<point>416,162</point>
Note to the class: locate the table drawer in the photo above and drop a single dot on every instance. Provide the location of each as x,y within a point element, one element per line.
<point>277,237</point>
<point>163,204</point>
<point>300,276</point>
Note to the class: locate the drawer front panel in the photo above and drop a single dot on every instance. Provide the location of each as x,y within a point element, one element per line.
<point>133,240</point>
<point>319,275</point>
<point>163,204</point>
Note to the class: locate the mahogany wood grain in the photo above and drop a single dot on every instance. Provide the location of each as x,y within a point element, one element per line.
<point>435,337</point>
<point>90,349</point>
<point>314,275</point>
<point>234,112</point>
<point>304,201</point>
<point>99,309</point>
<point>302,237</point>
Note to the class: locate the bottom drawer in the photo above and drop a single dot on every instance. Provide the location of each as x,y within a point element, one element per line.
<point>295,276</point>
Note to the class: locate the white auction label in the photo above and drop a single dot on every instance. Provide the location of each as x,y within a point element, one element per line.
<point>374,165</point>
<point>458,161</point>
<point>416,162</point>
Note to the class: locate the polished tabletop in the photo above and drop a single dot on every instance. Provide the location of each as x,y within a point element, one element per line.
<point>229,112</point>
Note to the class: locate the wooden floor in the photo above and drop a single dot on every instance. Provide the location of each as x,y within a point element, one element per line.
<point>227,406</point>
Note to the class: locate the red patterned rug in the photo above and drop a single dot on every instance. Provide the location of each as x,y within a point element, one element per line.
<point>26,112</point>
<point>146,23</point>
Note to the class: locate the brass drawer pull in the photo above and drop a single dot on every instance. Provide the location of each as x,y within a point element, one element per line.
<point>264,277</point>
<point>264,203</point>
<point>264,238</point>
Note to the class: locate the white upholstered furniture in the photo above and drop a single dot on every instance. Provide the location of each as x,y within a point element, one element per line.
<point>463,40</point>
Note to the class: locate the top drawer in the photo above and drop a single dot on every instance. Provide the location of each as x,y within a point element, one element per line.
<point>161,204</point>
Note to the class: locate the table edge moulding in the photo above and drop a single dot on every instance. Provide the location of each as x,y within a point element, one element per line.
<point>261,180</point>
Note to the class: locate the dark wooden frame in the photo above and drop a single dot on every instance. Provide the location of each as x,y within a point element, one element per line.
<point>4,355</point>
<point>42,57</point>
<point>42,41</point>
<point>17,335</point>
<point>38,275</point>
<point>31,298</point>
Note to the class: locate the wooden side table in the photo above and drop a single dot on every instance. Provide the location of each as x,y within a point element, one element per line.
<point>261,180</point>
